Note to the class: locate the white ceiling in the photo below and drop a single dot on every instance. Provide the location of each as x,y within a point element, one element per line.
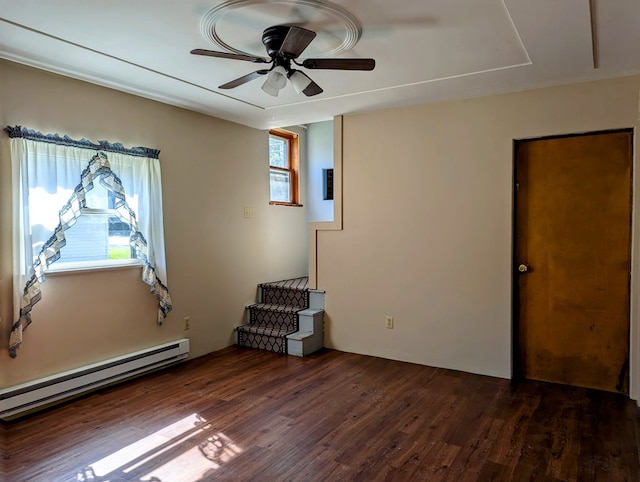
<point>425,50</point>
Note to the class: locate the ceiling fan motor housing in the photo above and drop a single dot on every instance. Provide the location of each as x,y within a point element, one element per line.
<point>272,38</point>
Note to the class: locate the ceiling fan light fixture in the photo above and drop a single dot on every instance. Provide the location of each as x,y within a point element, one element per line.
<point>299,81</point>
<point>275,81</point>
<point>277,78</point>
<point>284,44</point>
<point>269,89</point>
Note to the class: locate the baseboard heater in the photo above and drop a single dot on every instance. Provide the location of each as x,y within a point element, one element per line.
<point>20,399</point>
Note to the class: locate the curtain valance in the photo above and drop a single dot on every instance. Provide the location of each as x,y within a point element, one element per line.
<point>105,146</point>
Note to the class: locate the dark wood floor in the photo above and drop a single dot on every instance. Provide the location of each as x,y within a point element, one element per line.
<point>243,415</point>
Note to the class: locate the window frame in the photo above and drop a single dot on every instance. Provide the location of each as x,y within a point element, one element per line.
<point>293,169</point>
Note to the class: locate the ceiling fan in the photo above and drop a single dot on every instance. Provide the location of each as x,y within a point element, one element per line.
<point>284,44</point>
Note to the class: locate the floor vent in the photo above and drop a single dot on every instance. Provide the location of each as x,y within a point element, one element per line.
<point>26,397</point>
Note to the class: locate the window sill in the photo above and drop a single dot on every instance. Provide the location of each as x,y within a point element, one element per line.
<point>71,268</point>
<point>278,203</point>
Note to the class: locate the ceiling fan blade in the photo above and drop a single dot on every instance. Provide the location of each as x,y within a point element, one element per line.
<point>226,55</point>
<point>244,79</point>
<point>312,89</point>
<point>296,41</point>
<point>340,64</point>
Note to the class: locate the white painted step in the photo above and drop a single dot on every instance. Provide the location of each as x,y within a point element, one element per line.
<point>310,335</point>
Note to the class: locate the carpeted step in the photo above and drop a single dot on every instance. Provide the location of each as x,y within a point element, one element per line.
<point>292,292</point>
<point>277,317</point>
<point>262,338</point>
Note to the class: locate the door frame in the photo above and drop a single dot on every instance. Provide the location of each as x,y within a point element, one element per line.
<point>634,237</point>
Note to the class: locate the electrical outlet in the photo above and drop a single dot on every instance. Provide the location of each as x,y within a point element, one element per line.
<point>187,319</point>
<point>390,322</point>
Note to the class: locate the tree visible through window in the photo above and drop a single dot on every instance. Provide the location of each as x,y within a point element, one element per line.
<point>283,167</point>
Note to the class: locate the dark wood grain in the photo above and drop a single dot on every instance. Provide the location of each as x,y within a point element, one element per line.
<point>256,415</point>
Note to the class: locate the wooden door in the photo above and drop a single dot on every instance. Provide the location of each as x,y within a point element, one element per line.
<point>572,259</point>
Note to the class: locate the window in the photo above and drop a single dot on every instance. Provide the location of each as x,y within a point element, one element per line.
<point>87,210</point>
<point>99,233</point>
<point>82,205</point>
<point>283,168</point>
<point>99,237</point>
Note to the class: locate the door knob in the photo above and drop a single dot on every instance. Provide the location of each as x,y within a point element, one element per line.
<point>523,268</point>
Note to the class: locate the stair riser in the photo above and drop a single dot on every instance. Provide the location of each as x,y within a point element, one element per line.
<point>311,320</point>
<point>262,342</point>
<point>283,296</point>
<point>316,300</point>
<point>281,321</point>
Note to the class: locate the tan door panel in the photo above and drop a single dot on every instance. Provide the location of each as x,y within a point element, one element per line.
<point>572,238</point>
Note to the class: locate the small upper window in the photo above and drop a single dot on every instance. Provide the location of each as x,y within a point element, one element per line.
<point>283,168</point>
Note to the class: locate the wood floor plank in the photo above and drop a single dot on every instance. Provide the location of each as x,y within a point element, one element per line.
<point>241,414</point>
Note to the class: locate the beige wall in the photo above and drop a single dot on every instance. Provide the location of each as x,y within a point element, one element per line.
<point>428,218</point>
<point>211,170</point>
<point>427,225</point>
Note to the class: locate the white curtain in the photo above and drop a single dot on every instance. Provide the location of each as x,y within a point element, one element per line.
<point>50,182</point>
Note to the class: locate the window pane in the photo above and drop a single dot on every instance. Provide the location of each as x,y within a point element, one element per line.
<point>280,186</point>
<point>278,152</point>
<point>119,236</point>
<point>97,237</point>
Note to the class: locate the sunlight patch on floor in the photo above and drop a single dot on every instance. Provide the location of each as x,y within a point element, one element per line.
<point>191,465</point>
<point>187,450</point>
